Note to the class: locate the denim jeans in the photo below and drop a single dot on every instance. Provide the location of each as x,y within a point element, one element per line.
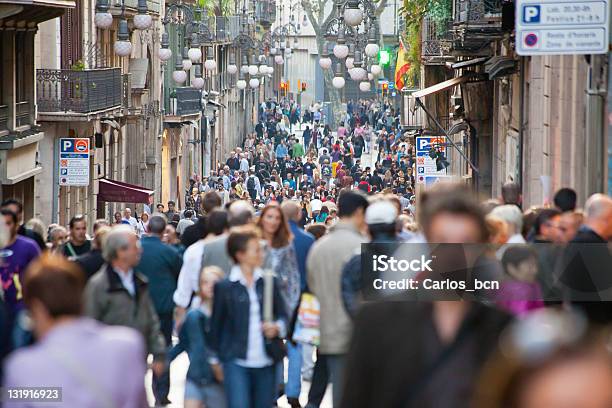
<point>294,371</point>
<point>307,362</point>
<point>249,387</point>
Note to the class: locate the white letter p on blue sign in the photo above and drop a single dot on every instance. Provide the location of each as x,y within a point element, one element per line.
<point>531,14</point>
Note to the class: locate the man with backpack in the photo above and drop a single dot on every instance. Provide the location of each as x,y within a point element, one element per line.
<point>253,185</point>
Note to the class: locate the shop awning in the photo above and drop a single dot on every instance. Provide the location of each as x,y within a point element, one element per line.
<point>118,192</point>
<point>442,86</point>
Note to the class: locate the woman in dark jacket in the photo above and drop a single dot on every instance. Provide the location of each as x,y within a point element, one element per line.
<point>247,342</point>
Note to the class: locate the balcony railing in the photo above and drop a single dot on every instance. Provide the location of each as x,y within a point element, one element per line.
<point>436,37</point>
<point>4,117</point>
<point>64,90</point>
<point>265,12</point>
<point>232,26</point>
<point>477,11</point>
<point>184,101</point>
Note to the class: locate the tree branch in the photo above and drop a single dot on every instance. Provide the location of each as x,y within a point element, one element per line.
<point>307,6</point>
<point>380,7</point>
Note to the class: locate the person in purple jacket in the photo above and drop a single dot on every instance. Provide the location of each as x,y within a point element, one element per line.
<point>14,259</point>
<point>79,362</point>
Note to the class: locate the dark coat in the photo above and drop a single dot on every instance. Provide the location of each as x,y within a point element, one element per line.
<point>91,262</point>
<point>394,346</point>
<point>161,264</point>
<point>230,319</point>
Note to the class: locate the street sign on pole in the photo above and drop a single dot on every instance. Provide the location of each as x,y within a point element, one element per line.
<point>555,27</point>
<point>74,162</point>
<point>425,165</point>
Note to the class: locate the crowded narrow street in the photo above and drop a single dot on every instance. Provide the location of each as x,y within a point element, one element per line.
<point>305,204</point>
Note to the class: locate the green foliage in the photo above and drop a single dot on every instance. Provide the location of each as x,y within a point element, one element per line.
<point>216,7</point>
<point>439,11</point>
<point>78,66</point>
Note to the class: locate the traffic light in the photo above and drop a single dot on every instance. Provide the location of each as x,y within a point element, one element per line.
<point>384,57</point>
<point>303,86</point>
<point>385,88</point>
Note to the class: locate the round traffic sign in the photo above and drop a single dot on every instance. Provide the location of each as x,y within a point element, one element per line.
<point>81,145</point>
<point>531,40</point>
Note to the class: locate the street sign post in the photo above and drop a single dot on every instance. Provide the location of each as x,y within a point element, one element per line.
<point>74,162</point>
<point>425,165</point>
<point>555,27</point>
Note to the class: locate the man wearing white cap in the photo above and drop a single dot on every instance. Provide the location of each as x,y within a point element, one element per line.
<point>381,217</point>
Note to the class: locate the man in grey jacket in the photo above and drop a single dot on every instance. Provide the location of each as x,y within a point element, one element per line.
<point>324,273</point>
<point>119,296</point>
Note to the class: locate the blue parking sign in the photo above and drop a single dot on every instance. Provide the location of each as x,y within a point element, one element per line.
<point>531,14</point>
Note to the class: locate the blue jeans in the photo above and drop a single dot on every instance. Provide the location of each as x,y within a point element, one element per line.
<point>161,384</point>
<point>294,372</point>
<point>249,387</point>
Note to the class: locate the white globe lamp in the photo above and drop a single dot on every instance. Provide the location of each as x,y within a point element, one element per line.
<point>232,69</point>
<point>254,83</point>
<point>372,49</point>
<point>353,16</point>
<point>350,62</point>
<point>341,51</point>
<point>338,82</point>
<point>365,86</point>
<point>241,84</point>
<point>103,20</point>
<point>375,69</point>
<point>325,62</point>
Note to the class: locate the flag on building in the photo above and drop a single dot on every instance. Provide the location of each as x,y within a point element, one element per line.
<point>401,66</point>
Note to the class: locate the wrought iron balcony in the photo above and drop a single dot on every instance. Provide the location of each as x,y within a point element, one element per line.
<point>82,92</point>
<point>436,38</point>
<point>477,11</point>
<point>477,23</point>
<point>184,101</point>
<point>265,12</point>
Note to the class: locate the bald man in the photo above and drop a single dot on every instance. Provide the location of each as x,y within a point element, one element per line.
<point>597,226</point>
<point>586,278</point>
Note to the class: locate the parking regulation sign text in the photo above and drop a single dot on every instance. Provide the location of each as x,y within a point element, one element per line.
<point>74,162</point>
<point>553,27</point>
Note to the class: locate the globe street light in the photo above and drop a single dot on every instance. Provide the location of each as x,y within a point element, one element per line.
<point>179,76</point>
<point>353,16</point>
<point>241,83</point>
<point>198,81</point>
<point>123,46</point>
<point>341,50</point>
<point>142,20</point>
<point>210,64</point>
<point>103,19</point>
<point>194,53</point>
<point>232,68</point>
<point>165,53</point>
<point>338,81</point>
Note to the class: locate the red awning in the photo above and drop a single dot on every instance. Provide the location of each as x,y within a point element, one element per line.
<point>119,192</point>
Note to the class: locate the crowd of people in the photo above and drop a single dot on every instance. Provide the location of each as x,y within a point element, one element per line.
<point>224,279</point>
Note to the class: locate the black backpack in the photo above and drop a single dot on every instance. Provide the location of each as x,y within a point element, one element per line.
<point>251,183</point>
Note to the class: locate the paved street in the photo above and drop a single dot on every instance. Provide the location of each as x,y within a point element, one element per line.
<point>178,372</point>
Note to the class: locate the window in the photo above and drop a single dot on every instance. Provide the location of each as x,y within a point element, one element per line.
<point>20,66</point>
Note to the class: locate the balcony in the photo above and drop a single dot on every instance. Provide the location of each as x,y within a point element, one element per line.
<point>265,13</point>
<point>436,40</point>
<point>479,22</point>
<point>183,104</point>
<point>65,95</point>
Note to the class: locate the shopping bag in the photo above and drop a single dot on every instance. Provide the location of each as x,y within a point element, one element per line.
<point>306,329</point>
